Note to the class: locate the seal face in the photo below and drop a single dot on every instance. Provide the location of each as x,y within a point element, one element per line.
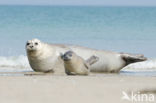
<point>76,65</point>
<point>43,58</point>
<point>67,56</point>
<point>33,45</point>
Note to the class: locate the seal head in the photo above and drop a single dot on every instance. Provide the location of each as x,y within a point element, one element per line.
<point>67,56</point>
<point>33,45</point>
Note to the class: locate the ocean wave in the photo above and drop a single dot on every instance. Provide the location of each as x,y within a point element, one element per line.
<point>149,65</point>
<point>14,62</point>
<point>21,62</point>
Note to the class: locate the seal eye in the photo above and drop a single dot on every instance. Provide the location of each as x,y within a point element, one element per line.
<point>28,43</point>
<point>36,43</point>
<point>70,55</point>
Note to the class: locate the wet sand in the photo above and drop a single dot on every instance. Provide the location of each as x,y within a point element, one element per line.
<point>40,88</point>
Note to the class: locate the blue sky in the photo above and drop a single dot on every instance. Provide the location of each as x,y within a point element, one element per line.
<point>82,2</point>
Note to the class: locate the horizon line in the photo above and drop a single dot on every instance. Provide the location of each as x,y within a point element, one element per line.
<point>77,5</point>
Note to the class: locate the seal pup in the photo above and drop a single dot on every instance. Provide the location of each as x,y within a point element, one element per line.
<point>75,65</point>
<point>44,58</point>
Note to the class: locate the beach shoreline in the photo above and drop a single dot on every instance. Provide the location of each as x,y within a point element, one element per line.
<point>106,88</point>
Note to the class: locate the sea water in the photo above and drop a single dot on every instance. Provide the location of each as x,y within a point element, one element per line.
<point>120,29</point>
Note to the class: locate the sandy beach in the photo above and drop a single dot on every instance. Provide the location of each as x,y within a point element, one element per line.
<point>105,88</point>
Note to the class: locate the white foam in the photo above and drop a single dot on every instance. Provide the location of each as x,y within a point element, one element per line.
<point>149,65</point>
<point>21,62</point>
<point>14,62</point>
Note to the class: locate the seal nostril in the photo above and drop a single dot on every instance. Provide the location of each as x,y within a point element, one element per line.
<point>31,46</point>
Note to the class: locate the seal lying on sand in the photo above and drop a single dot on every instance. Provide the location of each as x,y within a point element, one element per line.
<point>44,57</point>
<point>75,65</point>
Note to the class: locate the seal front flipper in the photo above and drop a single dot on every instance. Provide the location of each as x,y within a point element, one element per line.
<point>93,59</point>
<point>132,58</point>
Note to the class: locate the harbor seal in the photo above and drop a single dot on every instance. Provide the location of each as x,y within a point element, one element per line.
<point>75,65</point>
<point>44,57</point>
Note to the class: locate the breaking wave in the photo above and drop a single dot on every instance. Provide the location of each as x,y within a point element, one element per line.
<point>14,62</point>
<point>21,62</point>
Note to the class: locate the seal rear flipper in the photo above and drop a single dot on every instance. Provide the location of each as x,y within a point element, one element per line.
<point>93,59</point>
<point>132,58</point>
